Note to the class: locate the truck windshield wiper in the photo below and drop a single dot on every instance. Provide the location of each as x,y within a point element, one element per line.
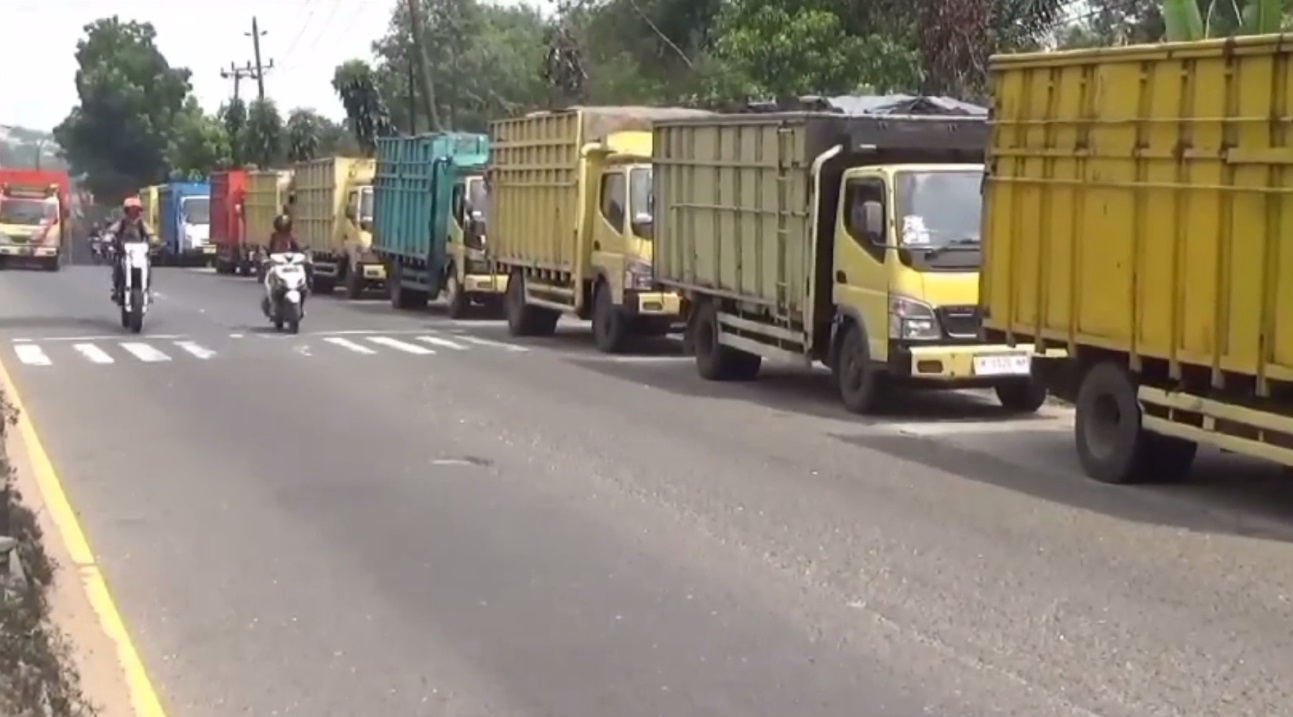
<point>966,244</point>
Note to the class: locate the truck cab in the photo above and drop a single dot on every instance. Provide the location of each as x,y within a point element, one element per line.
<point>32,222</point>
<point>468,276</point>
<point>905,268</point>
<point>360,266</point>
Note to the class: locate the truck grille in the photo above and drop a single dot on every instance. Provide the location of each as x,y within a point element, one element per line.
<point>961,322</point>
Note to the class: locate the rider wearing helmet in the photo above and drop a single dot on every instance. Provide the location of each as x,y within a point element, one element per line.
<point>130,228</point>
<point>283,241</point>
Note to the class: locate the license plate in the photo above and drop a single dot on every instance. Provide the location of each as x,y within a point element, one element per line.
<point>208,250</point>
<point>1003,365</point>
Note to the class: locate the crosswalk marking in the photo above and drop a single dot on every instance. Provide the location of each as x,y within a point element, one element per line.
<point>348,344</point>
<point>145,352</point>
<point>32,355</point>
<point>93,353</point>
<point>443,343</point>
<point>494,344</point>
<point>400,345</point>
<point>198,351</point>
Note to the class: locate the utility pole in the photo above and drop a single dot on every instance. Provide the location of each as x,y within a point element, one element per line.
<point>237,74</point>
<point>255,34</point>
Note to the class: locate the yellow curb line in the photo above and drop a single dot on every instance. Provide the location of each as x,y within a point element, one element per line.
<point>143,697</point>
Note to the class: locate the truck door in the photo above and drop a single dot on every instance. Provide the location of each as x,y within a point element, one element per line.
<point>861,284</point>
<point>610,228</point>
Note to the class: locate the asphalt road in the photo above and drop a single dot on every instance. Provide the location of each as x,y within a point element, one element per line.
<point>395,513</point>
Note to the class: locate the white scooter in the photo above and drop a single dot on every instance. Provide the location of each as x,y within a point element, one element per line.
<point>136,280</point>
<point>285,291</point>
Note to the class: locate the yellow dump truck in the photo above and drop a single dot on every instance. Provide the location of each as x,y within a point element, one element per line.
<point>332,214</point>
<point>1137,218</point>
<point>571,222</point>
<point>850,239</point>
<point>266,197</point>
<point>150,197</point>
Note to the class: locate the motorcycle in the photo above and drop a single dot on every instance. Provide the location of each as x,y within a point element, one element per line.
<point>285,291</point>
<point>100,248</point>
<point>135,297</point>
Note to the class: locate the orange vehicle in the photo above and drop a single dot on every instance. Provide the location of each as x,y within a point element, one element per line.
<point>34,212</point>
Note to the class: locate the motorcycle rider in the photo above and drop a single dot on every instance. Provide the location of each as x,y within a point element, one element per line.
<point>130,228</point>
<point>284,241</point>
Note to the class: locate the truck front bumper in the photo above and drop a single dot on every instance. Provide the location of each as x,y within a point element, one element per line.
<point>962,365</point>
<point>373,271</point>
<point>653,303</point>
<point>485,283</point>
<point>43,252</point>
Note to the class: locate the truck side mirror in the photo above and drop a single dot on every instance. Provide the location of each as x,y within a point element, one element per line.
<point>873,221</point>
<point>366,225</point>
<point>351,215</point>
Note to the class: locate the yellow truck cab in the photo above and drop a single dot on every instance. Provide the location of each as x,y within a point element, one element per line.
<point>573,225</point>
<point>470,274</point>
<point>150,198</point>
<point>850,240</point>
<point>332,211</point>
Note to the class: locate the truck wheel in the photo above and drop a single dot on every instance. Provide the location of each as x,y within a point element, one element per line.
<point>714,361</point>
<point>354,283</point>
<point>1021,396</point>
<point>610,327</point>
<point>1112,445</point>
<point>458,301</point>
<point>861,384</point>
<point>523,319</point>
<point>53,265</point>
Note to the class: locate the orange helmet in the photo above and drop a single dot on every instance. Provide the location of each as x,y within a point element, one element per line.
<point>132,203</point>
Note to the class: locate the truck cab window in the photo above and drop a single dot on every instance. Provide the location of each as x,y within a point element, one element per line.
<point>614,197</point>
<point>858,194</point>
<point>459,203</point>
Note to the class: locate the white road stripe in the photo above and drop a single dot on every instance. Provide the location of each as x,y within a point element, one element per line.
<point>348,344</point>
<point>197,350</point>
<point>443,343</point>
<point>145,352</point>
<point>32,355</point>
<point>496,344</point>
<point>93,353</point>
<point>404,346</point>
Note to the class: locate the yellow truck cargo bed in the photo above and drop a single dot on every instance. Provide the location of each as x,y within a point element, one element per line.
<point>266,195</point>
<point>1140,200</point>
<point>320,187</point>
<point>536,182</point>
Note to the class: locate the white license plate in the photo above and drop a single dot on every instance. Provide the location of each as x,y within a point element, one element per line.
<point>1003,365</point>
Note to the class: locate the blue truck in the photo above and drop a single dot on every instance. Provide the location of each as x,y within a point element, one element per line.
<point>429,221</point>
<point>185,220</point>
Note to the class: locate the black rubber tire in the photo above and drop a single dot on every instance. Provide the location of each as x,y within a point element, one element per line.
<point>714,361</point>
<point>136,315</point>
<point>862,387</point>
<point>354,283</point>
<point>457,300</point>
<point>523,319</point>
<point>1112,445</point>
<point>610,326</point>
<point>1021,396</point>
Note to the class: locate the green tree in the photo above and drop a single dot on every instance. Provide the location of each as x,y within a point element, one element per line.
<point>199,143</point>
<point>264,140</point>
<point>366,113</point>
<point>304,128</point>
<point>119,133</point>
<point>233,115</point>
<point>1199,19</point>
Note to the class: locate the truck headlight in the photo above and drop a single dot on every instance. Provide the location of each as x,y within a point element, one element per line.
<point>912,320</point>
<point>639,275</point>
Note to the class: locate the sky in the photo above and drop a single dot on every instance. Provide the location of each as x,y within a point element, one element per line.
<point>306,39</point>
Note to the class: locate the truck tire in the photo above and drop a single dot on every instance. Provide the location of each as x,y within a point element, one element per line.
<point>1112,445</point>
<point>522,318</point>
<point>354,283</point>
<point>610,326</point>
<point>456,299</point>
<point>861,385</point>
<point>1021,396</point>
<point>714,361</point>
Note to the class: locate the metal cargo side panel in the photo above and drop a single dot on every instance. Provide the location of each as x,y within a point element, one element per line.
<point>264,201</point>
<point>732,209</point>
<point>411,212</point>
<point>318,201</point>
<point>167,213</point>
<point>1141,199</point>
<point>534,190</point>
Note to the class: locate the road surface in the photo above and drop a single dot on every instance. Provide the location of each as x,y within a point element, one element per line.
<point>395,513</point>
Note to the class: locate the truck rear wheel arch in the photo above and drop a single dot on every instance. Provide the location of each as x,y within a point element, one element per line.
<point>1112,445</point>
<point>715,361</point>
<point>848,317</point>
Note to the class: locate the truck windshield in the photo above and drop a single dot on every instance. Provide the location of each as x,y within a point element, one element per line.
<point>477,198</point>
<point>939,210</point>
<point>196,210</point>
<point>27,212</point>
<point>642,202</point>
<point>366,204</point>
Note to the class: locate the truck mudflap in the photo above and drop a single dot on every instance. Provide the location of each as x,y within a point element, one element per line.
<point>485,283</point>
<point>653,303</point>
<point>966,363</point>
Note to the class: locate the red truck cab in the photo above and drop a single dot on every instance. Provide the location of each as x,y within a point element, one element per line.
<point>35,206</point>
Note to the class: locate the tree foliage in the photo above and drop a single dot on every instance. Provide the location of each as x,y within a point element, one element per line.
<point>304,128</point>
<point>366,113</point>
<point>263,142</point>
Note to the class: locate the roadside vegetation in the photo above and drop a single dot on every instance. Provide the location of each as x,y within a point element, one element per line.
<point>38,677</point>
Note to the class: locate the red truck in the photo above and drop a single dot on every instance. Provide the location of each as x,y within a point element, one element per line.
<point>228,190</point>
<point>35,208</point>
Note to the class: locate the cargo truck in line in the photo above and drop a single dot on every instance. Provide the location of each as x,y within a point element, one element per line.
<point>1139,219</point>
<point>846,233</point>
<point>267,196</point>
<point>184,216</point>
<point>228,194</point>
<point>332,213</point>
<point>150,197</point>
<point>35,214</point>
<point>572,222</point>
<point>429,227</point>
